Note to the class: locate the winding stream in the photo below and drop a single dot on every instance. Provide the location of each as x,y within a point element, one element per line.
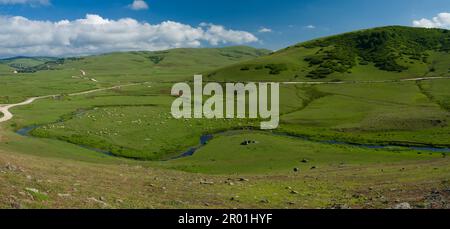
<point>204,139</point>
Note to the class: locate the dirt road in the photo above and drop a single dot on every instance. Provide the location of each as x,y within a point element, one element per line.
<point>7,115</point>
<point>367,82</point>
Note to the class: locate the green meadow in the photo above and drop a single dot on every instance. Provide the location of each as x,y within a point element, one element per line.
<point>372,134</point>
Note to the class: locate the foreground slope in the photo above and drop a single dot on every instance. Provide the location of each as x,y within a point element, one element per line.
<point>40,182</point>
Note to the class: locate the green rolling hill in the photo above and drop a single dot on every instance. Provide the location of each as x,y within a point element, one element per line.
<point>169,63</point>
<point>5,69</point>
<point>22,63</point>
<point>392,52</point>
<point>65,75</point>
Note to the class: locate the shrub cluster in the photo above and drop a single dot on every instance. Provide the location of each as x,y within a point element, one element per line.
<point>156,59</point>
<point>274,69</point>
<point>50,65</point>
<point>383,47</point>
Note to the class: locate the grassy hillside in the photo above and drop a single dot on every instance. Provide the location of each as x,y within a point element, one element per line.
<point>163,65</point>
<point>77,74</point>
<point>382,53</point>
<point>40,182</point>
<point>28,64</point>
<point>5,69</point>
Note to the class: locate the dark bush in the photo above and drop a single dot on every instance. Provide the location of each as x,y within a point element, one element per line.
<point>276,69</point>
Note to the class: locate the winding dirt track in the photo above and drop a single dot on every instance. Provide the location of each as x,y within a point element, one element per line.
<point>7,115</point>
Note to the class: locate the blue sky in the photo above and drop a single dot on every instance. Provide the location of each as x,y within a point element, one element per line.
<point>286,22</point>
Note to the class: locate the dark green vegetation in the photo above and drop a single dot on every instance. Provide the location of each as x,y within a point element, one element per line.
<point>371,105</point>
<point>390,52</point>
<point>389,49</point>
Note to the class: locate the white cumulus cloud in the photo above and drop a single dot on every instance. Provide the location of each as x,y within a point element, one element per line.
<point>442,20</point>
<point>217,34</point>
<point>95,34</point>
<point>265,30</point>
<point>23,2</point>
<point>138,5</point>
<point>310,27</point>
